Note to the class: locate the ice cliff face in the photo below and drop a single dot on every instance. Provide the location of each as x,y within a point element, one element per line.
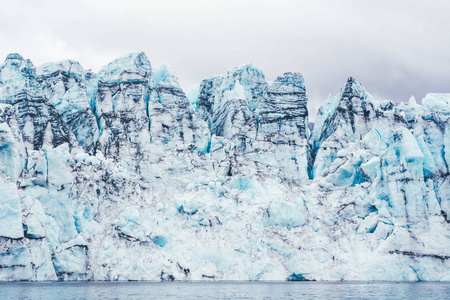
<point>38,120</point>
<point>396,151</point>
<point>256,127</point>
<point>66,87</point>
<point>116,176</point>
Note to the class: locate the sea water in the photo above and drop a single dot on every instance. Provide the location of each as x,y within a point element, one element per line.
<point>223,290</point>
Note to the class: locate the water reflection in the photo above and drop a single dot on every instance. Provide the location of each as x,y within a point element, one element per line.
<point>222,290</point>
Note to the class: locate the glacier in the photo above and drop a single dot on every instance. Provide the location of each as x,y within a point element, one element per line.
<point>118,175</point>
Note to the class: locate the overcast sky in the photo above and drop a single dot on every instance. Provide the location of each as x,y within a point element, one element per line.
<point>394,48</point>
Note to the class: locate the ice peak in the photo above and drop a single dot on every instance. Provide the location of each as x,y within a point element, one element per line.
<point>351,83</point>
<point>15,67</point>
<point>247,69</point>
<point>288,82</point>
<point>138,59</point>
<point>437,101</point>
<point>354,88</point>
<point>67,67</point>
<point>164,76</point>
<point>131,67</point>
<point>14,56</point>
<point>412,101</point>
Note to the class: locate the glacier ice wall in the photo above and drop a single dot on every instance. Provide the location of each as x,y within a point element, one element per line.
<point>116,176</point>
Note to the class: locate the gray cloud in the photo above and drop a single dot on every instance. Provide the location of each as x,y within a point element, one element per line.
<point>395,48</point>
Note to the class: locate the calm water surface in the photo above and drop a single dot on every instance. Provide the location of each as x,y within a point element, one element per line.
<point>222,290</point>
